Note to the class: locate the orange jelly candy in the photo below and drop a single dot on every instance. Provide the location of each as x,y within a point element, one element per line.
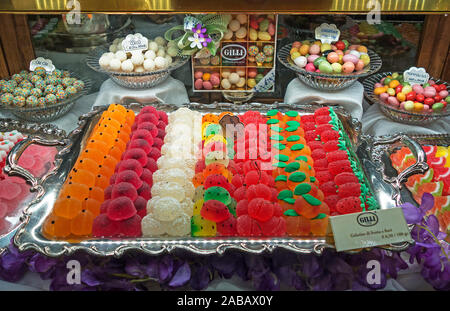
<point>94,154</point>
<point>198,180</point>
<point>83,177</point>
<point>215,168</point>
<point>87,164</point>
<point>130,116</point>
<point>102,181</point>
<point>74,190</point>
<point>319,226</point>
<point>210,117</point>
<point>115,152</point>
<point>297,225</point>
<point>67,207</point>
<point>92,205</point>
<point>56,227</point>
<point>81,224</point>
<point>96,193</point>
<point>105,137</point>
<point>308,206</point>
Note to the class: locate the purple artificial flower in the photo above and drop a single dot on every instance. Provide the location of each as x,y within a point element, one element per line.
<point>41,264</point>
<point>165,267</point>
<point>414,215</point>
<point>201,277</point>
<point>199,30</point>
<point>181,276</point>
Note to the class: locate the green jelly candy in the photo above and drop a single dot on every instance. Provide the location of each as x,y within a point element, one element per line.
<point>281,178</point>
<point>284,194</point>
<point>277,137</point>
<point>218,194</point>
<point>291,128</point>
<point>297,147</point>
<point>273,121</point>
<point>301,158</point>
<point>302,189</point>
<point>279,146</point>
<point>293,123</point>
<point>292,113</point>
<point>202,227</point>
<point>312,179</point>
<point>282,157</point>
<point>311,200</point>
<point>292,167</point>
<point>272,112</point>
<point>291,212</point>
<point>232,207</point>
<point>279,164</point>
<point>297,177</point>
<point>289,200</point>
<point>213,129</point>
<point>276,128</point>
<point>320,216</point>
<point>293,138</point>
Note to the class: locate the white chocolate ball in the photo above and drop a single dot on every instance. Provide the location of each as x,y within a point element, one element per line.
<point>161,52</point>
<point>115,64</point>
<point>242,18</point>
<point>234,78</point>
<point>113,48</point>
<point>225,84</point>
<point>109,55</point>
<point>168,60</point>
<point>160,41</point>
<point>241,33</point>
<point>241,72</point>
<point>225,74</point>
<point>127,66</point>
<point>120,55</point>
<point>160,62</point>
<point>241,82</point>
<point>153,46</point>
<point>234,25</point>
<point>149,64</point>
<point>301,61</point>
<point>228,35</point>
<point>104,61</point>
<point>137,59</point>
<point>150,54</point>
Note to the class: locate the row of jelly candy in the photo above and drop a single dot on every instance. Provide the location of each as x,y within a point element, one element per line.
<point>130,186</point>
<point>81,196</point>
<point>169,210</point>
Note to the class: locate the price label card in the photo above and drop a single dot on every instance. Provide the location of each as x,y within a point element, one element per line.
<point>416,75</point>
<point>47,64</point>
<point>136,42</point>
<point>327,33</point>
<point>369,229</point>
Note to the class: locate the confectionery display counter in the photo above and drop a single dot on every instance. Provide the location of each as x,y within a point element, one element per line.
<point>236,136</point>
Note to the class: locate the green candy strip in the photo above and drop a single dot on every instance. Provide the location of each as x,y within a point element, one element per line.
<point>297,177</point>
<point>291,212</point>
<point>272,112</point>
<point>297,147</point>
<point>293,138</point>
<point>293,123</point>
<point>282,157</point>
<point>279,146</point>
<point>292,167</point>
<point>320,216</point>
<point>311,200</point>
<point>279,164</point>
<point>302,189</point>
<point>281,178</point>
<point>301,158</point>
<point>277,137</point>
<point>291,129</point>
<point>291,113</point>
<point>289,200</point>
<point>276,128</point>
<point>273,121</point>
<point>284,194</point>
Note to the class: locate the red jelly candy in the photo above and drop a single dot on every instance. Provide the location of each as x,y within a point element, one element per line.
<point>237,181</point>
<point>323,176</point>
<point>145,191</point>
<point>260,209</point>
<point>331,145</point>
<point>131,227</point>
<point>107,192</point>
<point>130,164</point>
<point>137,154</point>
<point>140,144</point>
<point>346,177</point>
<point>129,177</point>
<point>124,189</point>
<point>309,126</point>
<point>227,227</point>
<point>310,136</point>
<point>143,134</point>
<point>157,142</point>
<point>322,119</point>
<point>163,116</point>
<point>340,166</point>
<point>149,127</point>
<point>104,227</point>
<point>337,155</point>
<point>148,109</point>
<point>307,118</point>
<point>239,194</point>
<point>329,135</point>
<point>216,180</point>
<point>331,201</point>
<point>242,207</point>
<point>324,111</point>
<point>349,189</point>
<point>148,117</point>
<point>328,188</point>
<point>323,127</point>
<point>121,208</point>
<point>349,205</point>
<point>315,144</point>
<point>215,211</point>
<point>275,226</point>
<point>151,165</point>
<point>318,154</point>
<point>140,204</point>
<point>321,163</point>
<point>247,226</point>
<point>200,166</point>
<point>147,176</point>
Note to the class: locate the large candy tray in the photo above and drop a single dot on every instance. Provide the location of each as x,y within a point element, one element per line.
<point>422,139</point>
<point>29,236</point>
<point>47,132</point>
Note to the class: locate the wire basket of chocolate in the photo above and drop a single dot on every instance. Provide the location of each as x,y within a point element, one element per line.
<point>329,67</point>
<point>137,70</point>
<point>402,102</point>
<point>41,96</point>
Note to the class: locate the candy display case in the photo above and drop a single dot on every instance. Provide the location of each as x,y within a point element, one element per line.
<point>366,149</point>
<point>37,164</point>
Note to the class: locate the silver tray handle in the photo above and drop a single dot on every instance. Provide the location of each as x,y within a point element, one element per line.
<point>13,168</point>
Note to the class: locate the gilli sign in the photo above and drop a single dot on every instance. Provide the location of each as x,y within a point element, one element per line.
<point>233,54</point>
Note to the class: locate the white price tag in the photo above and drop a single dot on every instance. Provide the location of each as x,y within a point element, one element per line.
<point>369,229</point>
<point>136,42</point>
<point>327,33</point>
<point>47,64</point>
<point>416,75</point>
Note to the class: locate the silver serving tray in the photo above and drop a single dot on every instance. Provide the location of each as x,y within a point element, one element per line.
<point>29,236</point>
<point>47,132</point>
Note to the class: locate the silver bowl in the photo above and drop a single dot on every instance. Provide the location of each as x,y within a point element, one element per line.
<point>134,80</point>
<point>399,115</point>
<point>328,82</point>
<point>50,112</point>
<point>238,97</point>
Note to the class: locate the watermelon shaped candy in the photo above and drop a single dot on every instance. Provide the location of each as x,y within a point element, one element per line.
<point>416,180</point>
<point>435,188</point>
<point>408,160</point>
<point>441,204</point>
<point>436,162</point>
<point>429,150</point>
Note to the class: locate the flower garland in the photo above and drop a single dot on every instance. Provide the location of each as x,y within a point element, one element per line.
<point>280,270</point>
<point>201,33</point>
